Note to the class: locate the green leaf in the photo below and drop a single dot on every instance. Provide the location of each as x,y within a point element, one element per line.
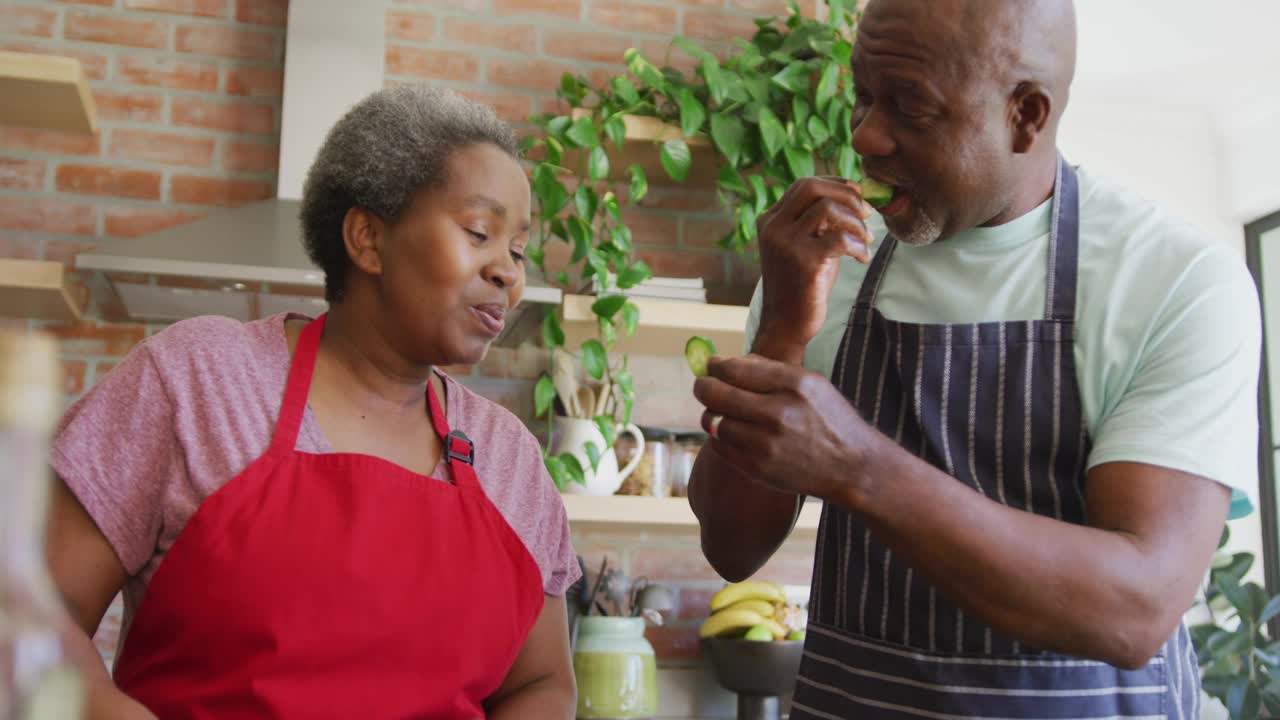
<point>544,394</point>
<point>555,150</point>
<point>552,334</point>
<point>827,85</point>
<point>593,455</point>
<point>562,278</point>
<point>1243,700</point>
<point>639,184</point>
<point>608,333</point>
<point>693,49</point>
<point>537,255</point>
<point>620,237</point>
<point>552,195</point>
<point>1217,685</point>
<point>1257,600</point>
<point>556,469</point>
<point>559,230</point>
<point>574,468</point>
<point>728,133</point>
<point>557,126</point>
<point>1226,535</point>
<point>818,130</point>
<point>572,90</point>
<point>757,87</point>
<point>607,307</point>
<point>847,163</point>
<point>625,90</point>
<point>800,110</point>
<point>581,233</point>
<point>616,129</point>
<point>1239,597</point>
<point>610,204</point>
<point>794,77</point>
<point>761,194</point>
<point>586,202</point>
<point>842,53</point>
<point>634,275</point>
<point>835,12</point>
<point>1271,610</point>
<point>1236,569</point>
<point>1230,643</point>
<point>714,79</point>
<point>692,114</point>
<point>643,69</point>
<point>594,358</point>
<point>731,181</point>
<point>771,131</point>
<point>1240,505</point>
<point>676,159</point>
<point>597,264</point>
<point>799,161</point>
<point>1268,657</point>
<point>598,163</point>
<point>583,133</point>
<point>608,429</point>
<point>630,318</point>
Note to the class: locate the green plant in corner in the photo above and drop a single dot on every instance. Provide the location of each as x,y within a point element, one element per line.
<point>1239,662</point>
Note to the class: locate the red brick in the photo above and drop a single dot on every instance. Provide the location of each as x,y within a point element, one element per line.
<point>217,191</point>
<point>54,216</point>
<point>250,156</point>
<point>101,368</point>
<point>255,81</point>
<point>527,73</point>
<point>663,53</point>
<point>169,72</point>
<point>65,251</point>
<point>674,643</point>
<point>116,29</point>
<point>263,12</point>
<point>94,64</point>
<point>432,64</point>
<point>651,228</point>
<point>226,41</point>
<point>513,108</point>
<point>590,46</point>
<point>678,198</point>
<point>18,247</point>
<point>465,6</point>
<point>635,17</point>
<point>775,8</point>
<point>161,147</point>
<point>229,116</point>
<point>99,3</point>
<point>717,25</point>
<point>48,141</point>
<point>788,567</point>
<point>19,174</point>
<point>706,233</point>
<point>88,338</point>
<point>73,372</point>
<point>667,564</point>
<point>413,26</point>
<point>127,106</point>
<point>128,221</point>
<point>519,37</point>
<point>23,20</point>
<point>204,8</point>
<point>694,603</point>
<point>116,182</point>
<point>571,9</point>
<point>685,263</point>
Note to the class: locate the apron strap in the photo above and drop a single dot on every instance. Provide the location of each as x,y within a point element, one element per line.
<point>298,386</point>
<point>875,274</point>
<point>1064,246</point>
<point>460,451</point>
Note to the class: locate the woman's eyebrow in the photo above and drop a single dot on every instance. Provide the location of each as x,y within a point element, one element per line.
<point>494,206</point>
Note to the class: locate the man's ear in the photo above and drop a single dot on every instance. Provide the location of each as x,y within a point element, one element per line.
<point>1030,108</point>
<point>363,234</point>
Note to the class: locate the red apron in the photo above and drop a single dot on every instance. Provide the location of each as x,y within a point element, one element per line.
<point>334,586</point>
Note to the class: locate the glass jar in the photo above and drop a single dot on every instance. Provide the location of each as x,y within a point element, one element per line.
<point>615,667</point>
<point>684,451</point>
<point>37,679</point>
<point>650,476</point>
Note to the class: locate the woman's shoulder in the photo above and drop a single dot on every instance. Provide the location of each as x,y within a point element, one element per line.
<point>218,343</point>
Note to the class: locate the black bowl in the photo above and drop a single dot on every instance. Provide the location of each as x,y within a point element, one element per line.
<point>755,667</point>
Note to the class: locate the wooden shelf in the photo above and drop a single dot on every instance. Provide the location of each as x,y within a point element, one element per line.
<point>39,289</point>
<point>645,136</point>
<point>45,91</point>
<point>622,513</point>
<point>665,325</point>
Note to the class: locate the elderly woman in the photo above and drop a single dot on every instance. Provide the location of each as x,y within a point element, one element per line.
<point>307,518</point>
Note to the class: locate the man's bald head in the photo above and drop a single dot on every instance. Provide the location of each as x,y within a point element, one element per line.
<point>983,82</point>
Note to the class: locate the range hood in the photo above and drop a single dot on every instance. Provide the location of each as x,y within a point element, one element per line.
<point>249,262</point>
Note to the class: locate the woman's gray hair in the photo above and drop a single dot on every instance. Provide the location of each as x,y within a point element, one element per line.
<point>379,156</point>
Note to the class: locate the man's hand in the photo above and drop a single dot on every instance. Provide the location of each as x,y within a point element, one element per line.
<point>802,238</point>
<point>784,426</point>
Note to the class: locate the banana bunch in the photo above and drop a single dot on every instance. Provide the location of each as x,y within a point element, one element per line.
<point>754,610</point>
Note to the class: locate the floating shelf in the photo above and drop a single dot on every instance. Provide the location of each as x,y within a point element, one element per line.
<point>40,289</point>
<point>644,135</point>
<point>45,91</point>
<point>665,325</point>
<point>623,512</point>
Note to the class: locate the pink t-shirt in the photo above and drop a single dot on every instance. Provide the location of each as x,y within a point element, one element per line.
<point>193,405</point>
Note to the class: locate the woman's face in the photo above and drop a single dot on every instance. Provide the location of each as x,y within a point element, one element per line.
<point>453,266</point>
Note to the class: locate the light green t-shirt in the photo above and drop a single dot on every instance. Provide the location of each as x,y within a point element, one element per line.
<point>1168,329</point>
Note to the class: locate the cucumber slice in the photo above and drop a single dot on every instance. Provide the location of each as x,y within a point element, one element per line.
<point>697,352</point>
<point>876,193</point>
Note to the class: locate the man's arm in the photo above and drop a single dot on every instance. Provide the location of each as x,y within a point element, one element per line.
<point>540,684</point>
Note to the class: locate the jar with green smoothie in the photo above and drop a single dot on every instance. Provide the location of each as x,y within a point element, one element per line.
<point>615,667</point>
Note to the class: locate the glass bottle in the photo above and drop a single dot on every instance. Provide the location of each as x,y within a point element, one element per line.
<point>37,679</point>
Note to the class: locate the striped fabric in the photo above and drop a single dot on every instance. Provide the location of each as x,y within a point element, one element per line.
<point>995,405</point>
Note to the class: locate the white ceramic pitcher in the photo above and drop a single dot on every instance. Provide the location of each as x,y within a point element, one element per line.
<point>572,435</point>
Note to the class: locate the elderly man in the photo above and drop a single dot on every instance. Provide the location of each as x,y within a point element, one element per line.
<point>1024,416</point>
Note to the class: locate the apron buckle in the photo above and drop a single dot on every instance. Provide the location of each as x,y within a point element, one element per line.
<point>460,447</point>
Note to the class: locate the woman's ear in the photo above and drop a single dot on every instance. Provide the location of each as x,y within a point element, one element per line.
<point>363,234</point>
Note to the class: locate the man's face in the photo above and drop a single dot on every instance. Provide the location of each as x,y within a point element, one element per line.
<point>930,119</point>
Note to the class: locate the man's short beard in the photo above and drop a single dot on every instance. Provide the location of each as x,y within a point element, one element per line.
<point>924,230</point>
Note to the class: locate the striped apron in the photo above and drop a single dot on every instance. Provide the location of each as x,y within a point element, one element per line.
<point>996,406</point>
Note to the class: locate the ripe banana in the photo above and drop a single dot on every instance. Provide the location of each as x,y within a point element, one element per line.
<point>746,590</point>
<point>764,607</point>
<point>728,621</point>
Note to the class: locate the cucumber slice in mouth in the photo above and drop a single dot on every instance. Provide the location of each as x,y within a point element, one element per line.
<point>697,352</point>
<point>876,193</point>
